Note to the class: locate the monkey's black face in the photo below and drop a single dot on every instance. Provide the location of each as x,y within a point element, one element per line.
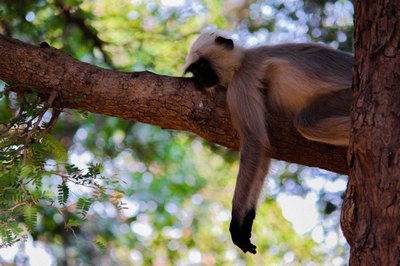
<point>203,73</point>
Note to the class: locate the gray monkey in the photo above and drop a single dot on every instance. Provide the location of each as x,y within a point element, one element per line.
<point>309,83</point>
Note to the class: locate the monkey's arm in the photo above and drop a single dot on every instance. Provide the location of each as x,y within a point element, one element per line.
<point>254,164</point>
<point>247,108</point>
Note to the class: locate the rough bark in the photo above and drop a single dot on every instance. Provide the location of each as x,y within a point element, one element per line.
<point>168,102</point>
<point>371,209</point>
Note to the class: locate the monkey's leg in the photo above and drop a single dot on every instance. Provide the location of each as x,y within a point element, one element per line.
<point>254,164</point>
<point>327,120</point>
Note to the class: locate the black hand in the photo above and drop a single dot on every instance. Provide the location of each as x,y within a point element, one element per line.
<point>241,231</point>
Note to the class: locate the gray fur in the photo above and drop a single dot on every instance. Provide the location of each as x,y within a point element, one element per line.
<point>310,83</point>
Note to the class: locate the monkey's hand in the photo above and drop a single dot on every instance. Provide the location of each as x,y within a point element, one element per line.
<point>240,229</point>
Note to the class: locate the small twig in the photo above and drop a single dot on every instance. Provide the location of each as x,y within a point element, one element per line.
<point>89,186</point>
<point>62,215</point>
<point>16,206</point>
<point>51,124</point>
<point>30,133</point>
<point>36,126</point>
<point>39,120</point>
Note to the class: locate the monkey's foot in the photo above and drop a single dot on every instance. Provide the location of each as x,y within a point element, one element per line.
<point>241,231</point>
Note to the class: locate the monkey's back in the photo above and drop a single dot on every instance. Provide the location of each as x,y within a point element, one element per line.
<point>296,74</point>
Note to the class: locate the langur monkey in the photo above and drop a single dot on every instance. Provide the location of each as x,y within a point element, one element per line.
<point>309,83</point>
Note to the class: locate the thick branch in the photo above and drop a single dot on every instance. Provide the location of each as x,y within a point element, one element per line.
<point>168,102</point>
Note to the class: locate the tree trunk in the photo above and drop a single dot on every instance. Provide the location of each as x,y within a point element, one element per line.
<point>371,208</point>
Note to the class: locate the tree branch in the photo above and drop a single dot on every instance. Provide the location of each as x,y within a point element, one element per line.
<point>168,102</point>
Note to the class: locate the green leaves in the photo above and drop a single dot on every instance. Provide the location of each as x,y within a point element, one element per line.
<point>83,206</point>
<point>63,193</point>
<point>101,244</point>
<point>30,217</point>
<point>54,147</point>
<point>29,158</point>
<point>10,234</point>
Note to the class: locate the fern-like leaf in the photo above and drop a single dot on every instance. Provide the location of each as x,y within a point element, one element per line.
<point>37,154</point>
<point>72,169</point>
<point>30,217</point>
<point>63,193</point>
<point>54,148</point>
<point>73,222</point>
<point>83,206</point>
<point>16,196</point>
<point>100,244</point>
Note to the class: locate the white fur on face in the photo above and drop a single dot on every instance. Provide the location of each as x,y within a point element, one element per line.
<point>205,39</point>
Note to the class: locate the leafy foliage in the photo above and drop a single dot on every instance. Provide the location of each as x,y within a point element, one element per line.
<point>10,234</point>
<point>29,155</point>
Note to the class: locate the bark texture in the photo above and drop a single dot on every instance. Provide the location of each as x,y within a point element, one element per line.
<point>371,209</point>
<point>168,102</point>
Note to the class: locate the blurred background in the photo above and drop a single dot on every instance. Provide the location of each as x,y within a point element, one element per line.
<point>167,194</point>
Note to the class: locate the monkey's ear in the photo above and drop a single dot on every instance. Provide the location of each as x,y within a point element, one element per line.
<point>227,43</point>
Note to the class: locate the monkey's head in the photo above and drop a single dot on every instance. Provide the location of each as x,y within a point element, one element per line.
<point>213,60</point>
